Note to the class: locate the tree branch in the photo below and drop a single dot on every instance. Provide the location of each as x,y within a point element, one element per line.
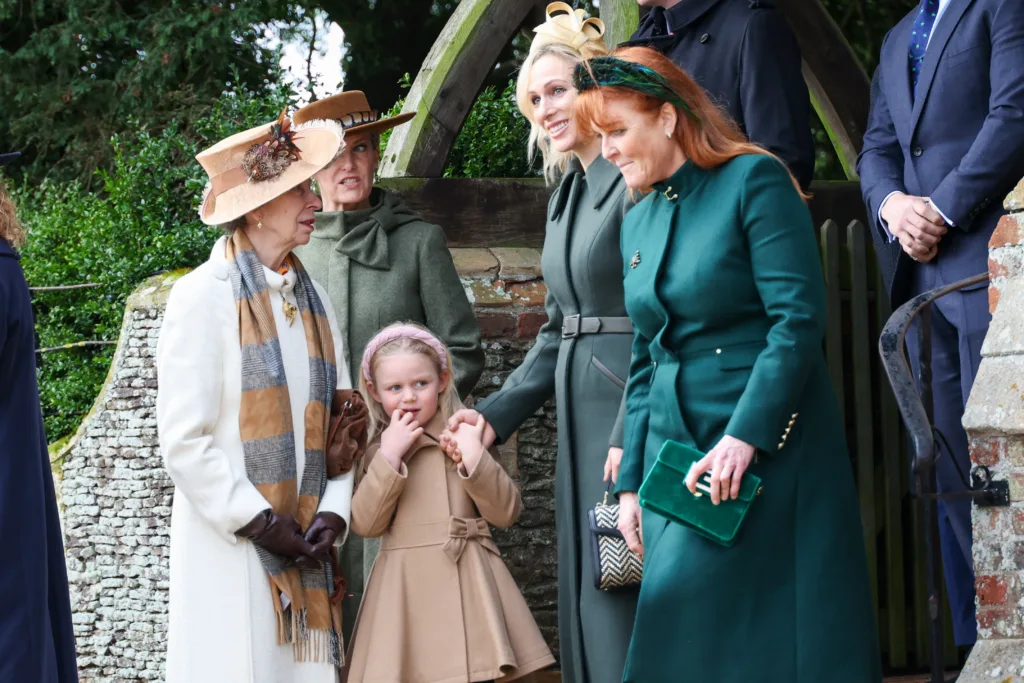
<point>76,345</point>
<point>309,61</point>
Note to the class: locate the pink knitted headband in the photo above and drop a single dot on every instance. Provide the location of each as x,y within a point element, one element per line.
<point>390,334</point>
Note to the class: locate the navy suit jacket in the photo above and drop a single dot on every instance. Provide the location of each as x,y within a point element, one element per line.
<point>960,141</point>
<point>744,54</point>
<point>37,642</point>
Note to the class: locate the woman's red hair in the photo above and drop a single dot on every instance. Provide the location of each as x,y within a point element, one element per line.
<point>708,136</point>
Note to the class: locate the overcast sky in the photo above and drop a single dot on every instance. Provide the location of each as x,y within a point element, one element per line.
<point>327,59</point>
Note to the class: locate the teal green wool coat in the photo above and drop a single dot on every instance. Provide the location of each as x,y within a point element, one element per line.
<point>583,273</point>
<point>383,265</point>
<point>728,304</point>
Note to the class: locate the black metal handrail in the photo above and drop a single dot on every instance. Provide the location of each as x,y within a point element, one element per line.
<point>916,406</point>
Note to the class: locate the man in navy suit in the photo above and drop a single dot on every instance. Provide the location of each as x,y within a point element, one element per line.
<point>944,146</point>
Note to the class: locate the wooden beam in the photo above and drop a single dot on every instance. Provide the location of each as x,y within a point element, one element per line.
<point>621,18</point>
<point>511,212</point>
<point>448,83</point>
<point>840,89</point>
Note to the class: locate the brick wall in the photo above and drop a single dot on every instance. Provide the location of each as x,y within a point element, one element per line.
<point>117,495</point>
<point>995,424</point>
<point>507,292</point>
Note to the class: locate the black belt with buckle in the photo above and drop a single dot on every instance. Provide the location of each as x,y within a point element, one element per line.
<point>574,325</point>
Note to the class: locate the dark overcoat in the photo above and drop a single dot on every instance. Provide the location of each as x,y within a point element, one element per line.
<point>744,54</point>
<point>728,301</point>
<point>36,638</point>
<point>583,274</point>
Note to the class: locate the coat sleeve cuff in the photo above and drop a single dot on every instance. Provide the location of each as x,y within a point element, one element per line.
<point>631,472</point>
<point>337,498</point>
<point>248,503</point>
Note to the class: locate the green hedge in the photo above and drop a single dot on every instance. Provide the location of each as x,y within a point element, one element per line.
<point>145,221</point>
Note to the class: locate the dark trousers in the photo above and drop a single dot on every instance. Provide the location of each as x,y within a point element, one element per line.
<point>959,324</point>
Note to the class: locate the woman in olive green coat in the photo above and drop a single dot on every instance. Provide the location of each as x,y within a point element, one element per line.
<point>582,353</point>
<point>380,264</point>
<point>725,290</point>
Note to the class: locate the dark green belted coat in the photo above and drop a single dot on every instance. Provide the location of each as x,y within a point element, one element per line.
<point>728,303</point>
<point>583,273</point>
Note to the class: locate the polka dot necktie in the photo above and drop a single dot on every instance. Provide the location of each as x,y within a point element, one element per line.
<point>919,38</point>
<point>658,20</point>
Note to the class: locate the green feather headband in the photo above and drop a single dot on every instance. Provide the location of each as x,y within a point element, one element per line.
<point>618,73</point>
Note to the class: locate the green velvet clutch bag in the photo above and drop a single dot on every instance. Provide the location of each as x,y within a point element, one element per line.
<point>664,492</point>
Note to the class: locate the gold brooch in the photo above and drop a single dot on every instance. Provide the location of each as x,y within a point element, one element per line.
<point>668,194</point>
<point>635,261</point>
<point>289,312</point>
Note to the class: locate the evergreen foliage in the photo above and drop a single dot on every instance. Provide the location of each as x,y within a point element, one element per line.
<point>74,73</point>
<point>143,221</point>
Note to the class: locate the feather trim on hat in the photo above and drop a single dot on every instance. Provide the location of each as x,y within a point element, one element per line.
<point>329,124</point>
<point>202,200</point>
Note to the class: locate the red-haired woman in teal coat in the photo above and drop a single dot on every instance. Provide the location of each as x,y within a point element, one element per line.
<point>724,287</point>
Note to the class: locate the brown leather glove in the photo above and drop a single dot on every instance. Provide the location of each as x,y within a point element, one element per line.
<point>323,531</point>
<point>277,534</point>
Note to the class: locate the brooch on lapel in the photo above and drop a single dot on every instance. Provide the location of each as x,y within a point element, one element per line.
<point>668,194</point>
<point>635,261</point>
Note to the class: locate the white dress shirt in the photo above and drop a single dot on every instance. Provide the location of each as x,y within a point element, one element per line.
<point>943,4</point>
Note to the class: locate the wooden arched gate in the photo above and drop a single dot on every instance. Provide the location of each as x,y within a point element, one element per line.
<point>511,212</point>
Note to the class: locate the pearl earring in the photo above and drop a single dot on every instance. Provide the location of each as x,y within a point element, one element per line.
<point>668,134</point>
<point>259,225</point>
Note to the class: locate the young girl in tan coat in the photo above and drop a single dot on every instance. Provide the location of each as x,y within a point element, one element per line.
<point>440,605</point>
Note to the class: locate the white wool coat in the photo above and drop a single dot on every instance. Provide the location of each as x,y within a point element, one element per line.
<point>222,623</point>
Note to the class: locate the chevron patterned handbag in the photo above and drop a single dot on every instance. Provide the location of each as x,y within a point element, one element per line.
<point>615,565</point>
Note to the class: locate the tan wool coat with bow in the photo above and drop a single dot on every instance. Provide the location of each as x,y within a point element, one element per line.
<point>440,605</point>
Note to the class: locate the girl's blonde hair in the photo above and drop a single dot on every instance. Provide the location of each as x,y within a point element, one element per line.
<point>448,402</point>
<point>555,163</point>
<point>10,227</point>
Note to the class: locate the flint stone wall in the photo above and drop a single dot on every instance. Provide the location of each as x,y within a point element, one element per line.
<point>117,496</point>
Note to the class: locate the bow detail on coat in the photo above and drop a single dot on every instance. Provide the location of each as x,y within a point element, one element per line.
<point>366,243</point>
<point>461,531</point>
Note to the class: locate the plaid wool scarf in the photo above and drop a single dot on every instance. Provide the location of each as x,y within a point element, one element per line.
<point>307,618</point>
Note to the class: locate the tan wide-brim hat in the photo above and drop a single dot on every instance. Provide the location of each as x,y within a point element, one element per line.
<point>352,110</point>
<point>232,192</point>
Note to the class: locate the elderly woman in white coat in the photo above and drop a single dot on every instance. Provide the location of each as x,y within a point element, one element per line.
<point>249,359</point>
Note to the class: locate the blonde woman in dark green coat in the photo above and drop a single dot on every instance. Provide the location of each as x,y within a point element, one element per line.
<point>581,355</point>
<point>723,284</point>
